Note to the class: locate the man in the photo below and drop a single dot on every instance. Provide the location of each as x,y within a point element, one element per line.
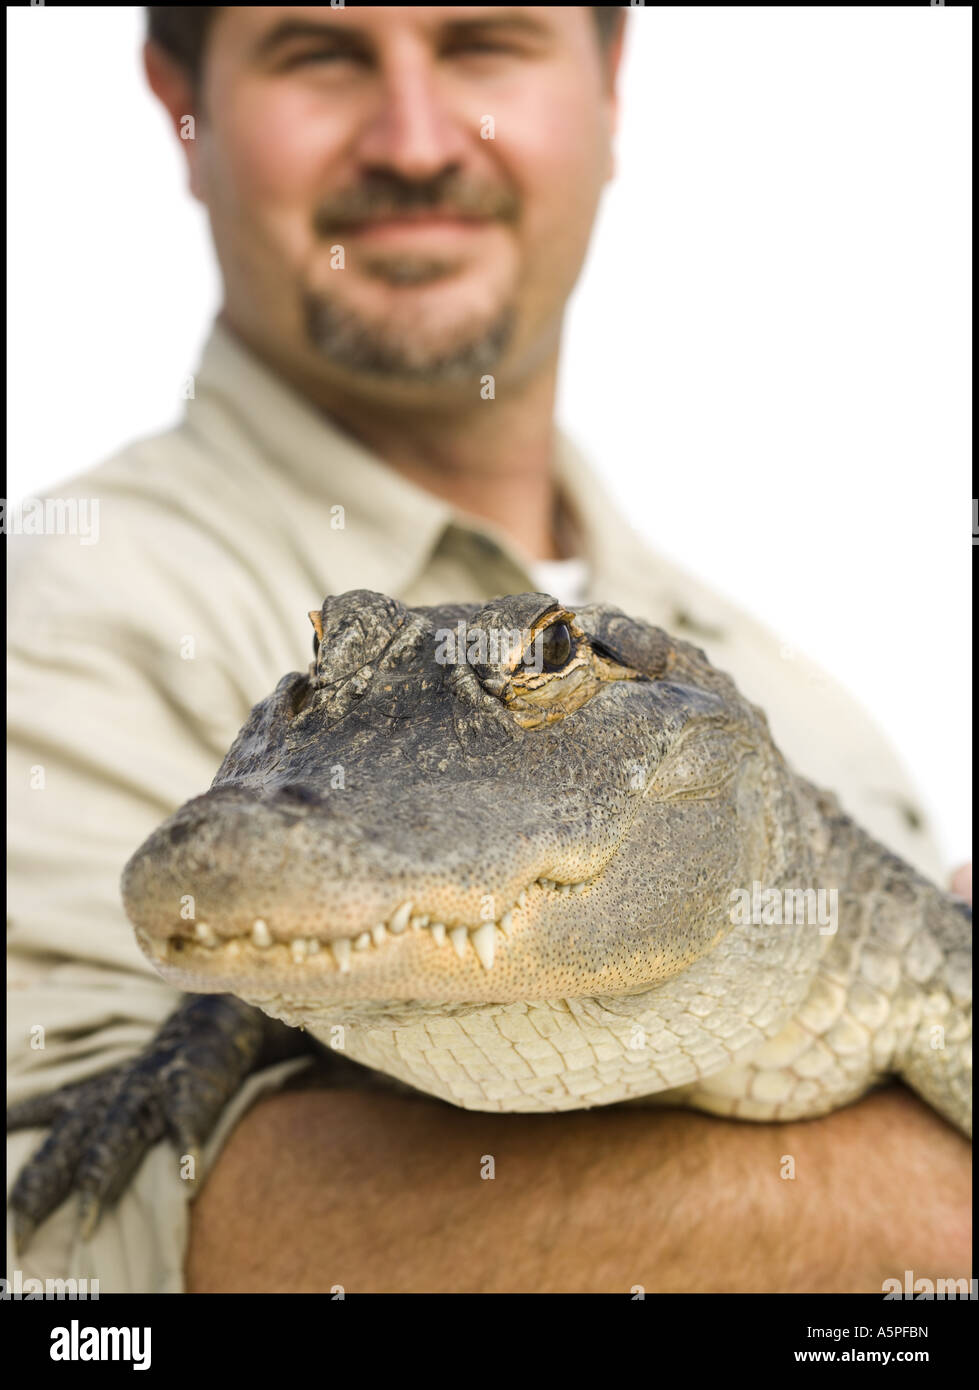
<point>400,200</point>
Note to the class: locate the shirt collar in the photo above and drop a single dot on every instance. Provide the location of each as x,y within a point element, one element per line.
<point>391,526</point>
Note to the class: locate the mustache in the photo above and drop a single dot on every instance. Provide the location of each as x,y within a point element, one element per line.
<point>380,195</point>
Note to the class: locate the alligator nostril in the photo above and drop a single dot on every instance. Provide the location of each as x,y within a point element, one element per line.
<point>298,792</point>
<point>179,833</point>
<point>299,697</point>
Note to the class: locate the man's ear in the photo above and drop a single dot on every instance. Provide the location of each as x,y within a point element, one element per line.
<point>613,62</point>
<point>171,85</point>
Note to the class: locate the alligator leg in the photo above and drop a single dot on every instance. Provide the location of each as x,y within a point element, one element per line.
<point>101,1128</point>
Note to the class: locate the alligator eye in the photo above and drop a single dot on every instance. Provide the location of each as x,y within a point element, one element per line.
<point>557,648</point>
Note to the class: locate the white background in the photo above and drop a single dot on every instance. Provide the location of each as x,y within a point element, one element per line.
<point>768,356</point>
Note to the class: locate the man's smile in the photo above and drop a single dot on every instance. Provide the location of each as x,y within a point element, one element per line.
<point>418,227</point>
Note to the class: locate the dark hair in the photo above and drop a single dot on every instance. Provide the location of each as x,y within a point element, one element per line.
<point>181,30</point>
<point>607,19</point>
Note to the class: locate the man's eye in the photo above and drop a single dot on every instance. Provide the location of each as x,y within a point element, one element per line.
<point>327,56</point>
<point>479,46</point>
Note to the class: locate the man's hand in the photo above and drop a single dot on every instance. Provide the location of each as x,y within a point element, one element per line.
<point>377,1192</point>
<point>962,882</point>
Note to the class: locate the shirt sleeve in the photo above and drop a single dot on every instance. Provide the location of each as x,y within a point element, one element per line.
<point>108,732</point>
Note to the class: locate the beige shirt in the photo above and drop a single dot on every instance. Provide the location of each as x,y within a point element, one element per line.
<point>134,661</point>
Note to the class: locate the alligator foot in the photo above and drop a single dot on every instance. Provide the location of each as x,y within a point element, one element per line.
<point>101,1128</point>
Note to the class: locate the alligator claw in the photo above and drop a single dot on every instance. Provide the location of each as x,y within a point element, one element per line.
<point>102,1128</point>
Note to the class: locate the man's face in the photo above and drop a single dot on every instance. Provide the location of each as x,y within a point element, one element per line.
<point>403,196</point>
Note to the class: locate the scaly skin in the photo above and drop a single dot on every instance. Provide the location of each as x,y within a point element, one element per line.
<point>513,889</point>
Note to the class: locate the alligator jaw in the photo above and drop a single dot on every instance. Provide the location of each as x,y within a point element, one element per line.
<point>315,964</point>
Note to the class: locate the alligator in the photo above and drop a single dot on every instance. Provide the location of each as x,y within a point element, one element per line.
<point>522,858</point>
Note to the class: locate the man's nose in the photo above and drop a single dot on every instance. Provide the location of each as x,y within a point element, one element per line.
<point>413,130</point>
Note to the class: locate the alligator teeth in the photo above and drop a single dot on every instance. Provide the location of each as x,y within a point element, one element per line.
<point>557,887</point>
<point>400,919</point>
<point>484,944</point>
<point>483,937</point>
<point>157,949</point>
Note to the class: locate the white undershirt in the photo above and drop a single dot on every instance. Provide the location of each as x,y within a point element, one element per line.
<point>566,580</point>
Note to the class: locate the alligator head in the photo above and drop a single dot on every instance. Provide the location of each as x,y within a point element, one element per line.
<point>515,801</point>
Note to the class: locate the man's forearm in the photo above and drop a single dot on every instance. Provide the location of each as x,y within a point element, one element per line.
<point>378,1192</point>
